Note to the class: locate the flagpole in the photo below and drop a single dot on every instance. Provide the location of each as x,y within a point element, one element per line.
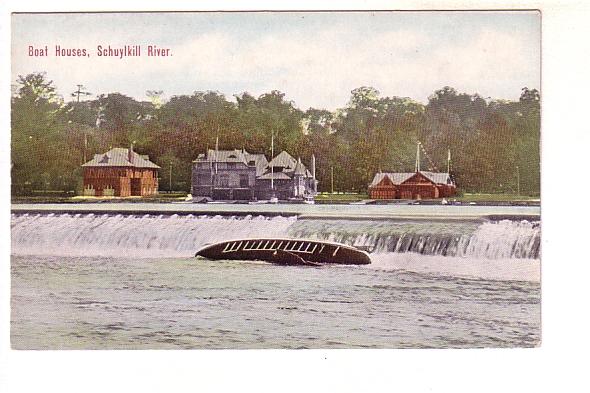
<point>272,154</point>
<point>449,162</point>
<point>418,157</point>
<point>216,152</point>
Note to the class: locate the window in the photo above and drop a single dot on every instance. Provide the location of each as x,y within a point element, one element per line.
<point>231,165</point>
<point>243,180</point>
<point>223,180</point>
<point>203,179</point>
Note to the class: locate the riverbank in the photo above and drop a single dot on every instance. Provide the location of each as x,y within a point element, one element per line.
<point>322,198</point>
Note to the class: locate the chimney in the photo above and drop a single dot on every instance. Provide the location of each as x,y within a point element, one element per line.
<point>130,154</point>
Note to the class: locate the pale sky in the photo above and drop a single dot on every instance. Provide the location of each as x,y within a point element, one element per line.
<point>316,59</point>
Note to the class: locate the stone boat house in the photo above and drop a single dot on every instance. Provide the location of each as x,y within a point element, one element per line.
<point>120,172</point>
<point>240,175</point>
<point>290,179</point>
<point>227,174</point>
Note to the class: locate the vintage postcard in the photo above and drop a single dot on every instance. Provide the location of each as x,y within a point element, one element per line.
<point>275,180</point>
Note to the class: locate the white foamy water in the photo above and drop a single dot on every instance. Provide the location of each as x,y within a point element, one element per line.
<point>86,281</point>
<point>504,250</point>
<point>502,240</point>
<point>482,240</point>
<point>490,269</point>
<point>147,236</point>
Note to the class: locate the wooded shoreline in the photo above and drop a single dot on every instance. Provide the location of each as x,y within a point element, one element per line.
<point>495,143</point>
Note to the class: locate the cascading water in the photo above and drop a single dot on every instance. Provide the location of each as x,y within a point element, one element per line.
<point>504,249</point>
<point>136,236</point>
<point>181,236</point>
<point>504,239</point>
<point>81,281</point>
<point>492,240</point>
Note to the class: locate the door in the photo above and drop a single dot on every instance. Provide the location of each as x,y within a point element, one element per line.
<point>136,187</point>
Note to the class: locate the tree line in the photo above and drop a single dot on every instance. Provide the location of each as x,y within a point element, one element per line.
<point>494,143</point>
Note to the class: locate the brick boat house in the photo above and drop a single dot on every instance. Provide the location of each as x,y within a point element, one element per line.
<point>412,185</point>
<point>120,172</point>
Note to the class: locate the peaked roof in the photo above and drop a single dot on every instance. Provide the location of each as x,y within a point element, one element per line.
<point>284,160</point>
<point>120,156</point>
<point>236,155</point>
<point>290,166</point>
<point>396,178</point>
<point>400,177</point>
<point>260,161</point>
<point>275,176</point>
<point>225,156</point>
<point>299,169</point>
<point>437,177</point>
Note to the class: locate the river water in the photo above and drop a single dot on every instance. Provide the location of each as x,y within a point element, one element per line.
<point>124,281</point>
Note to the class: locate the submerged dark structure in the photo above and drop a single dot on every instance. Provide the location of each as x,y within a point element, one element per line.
<point>287,252</point>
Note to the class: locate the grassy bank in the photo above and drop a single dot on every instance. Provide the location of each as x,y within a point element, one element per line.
<point>340,197</point>
<point>320,198</point>
<point>468,197</point>
<point>172,197</point>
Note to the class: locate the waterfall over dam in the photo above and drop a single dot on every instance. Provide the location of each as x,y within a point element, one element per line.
<point>153,235</point>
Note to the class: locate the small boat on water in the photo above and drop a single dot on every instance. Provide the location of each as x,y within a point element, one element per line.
<point>286,252</point>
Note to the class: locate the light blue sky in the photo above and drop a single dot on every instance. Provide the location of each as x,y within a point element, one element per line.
<point>315,58</point>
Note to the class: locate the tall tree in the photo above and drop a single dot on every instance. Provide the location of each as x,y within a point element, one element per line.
<point>494,143</point>
<point>37,140</point>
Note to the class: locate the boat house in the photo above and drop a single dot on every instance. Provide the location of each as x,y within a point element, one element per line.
<point>412,185</point>
<point>227,174</point>
<point>240,175</point>
<point>290,179</point>
<point>120,172</point>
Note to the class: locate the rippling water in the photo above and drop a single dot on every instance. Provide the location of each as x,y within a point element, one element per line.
<point>144,303</point>
<point>128,281</point>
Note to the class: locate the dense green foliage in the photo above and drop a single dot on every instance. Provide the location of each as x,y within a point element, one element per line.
<point>494,143</point>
